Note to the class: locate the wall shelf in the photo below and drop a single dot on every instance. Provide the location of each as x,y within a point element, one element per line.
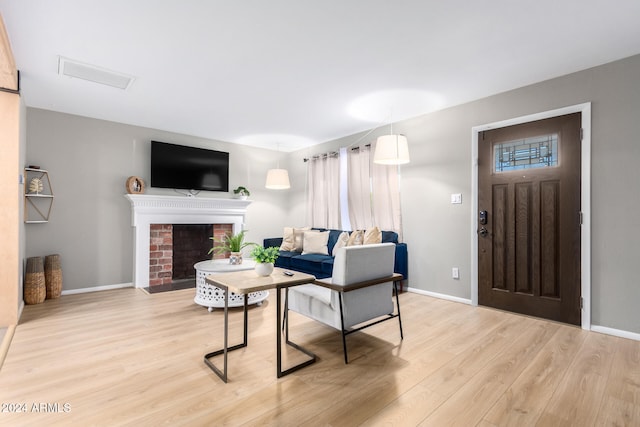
<point>38,196</point>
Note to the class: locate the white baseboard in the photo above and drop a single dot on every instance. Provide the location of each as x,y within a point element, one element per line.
<point>595,328</point>
<point>441,296</point>
<point>97,288</point>
<point>616,332</point>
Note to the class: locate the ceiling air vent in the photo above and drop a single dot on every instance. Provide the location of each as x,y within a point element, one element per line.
<point>92,73</point>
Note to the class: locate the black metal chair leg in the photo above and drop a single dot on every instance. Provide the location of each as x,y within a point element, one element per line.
<point>344,335</point>
<point>395,287</point>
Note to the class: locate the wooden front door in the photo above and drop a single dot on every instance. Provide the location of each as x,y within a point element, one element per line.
<point>529,218</point>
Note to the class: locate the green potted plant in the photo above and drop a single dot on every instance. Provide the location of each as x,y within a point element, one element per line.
<point>241,193</point>
<point>231,243</point>
<point>265,258</point>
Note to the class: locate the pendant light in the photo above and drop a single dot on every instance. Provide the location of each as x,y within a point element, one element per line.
<point>391,149</point>
<point>277,179</point>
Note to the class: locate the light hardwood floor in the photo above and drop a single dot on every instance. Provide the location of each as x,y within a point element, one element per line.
<point>128,358</point>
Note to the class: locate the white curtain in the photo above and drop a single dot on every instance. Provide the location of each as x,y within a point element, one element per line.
<point>323,199</point>
<point>359,188</point>
<point>374,192</point>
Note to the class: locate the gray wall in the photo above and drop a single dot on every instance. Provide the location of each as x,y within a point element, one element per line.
<point>438,233</point>
<point>89,161</point>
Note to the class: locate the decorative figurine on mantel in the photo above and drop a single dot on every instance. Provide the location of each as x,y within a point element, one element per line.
<point>134,185</point>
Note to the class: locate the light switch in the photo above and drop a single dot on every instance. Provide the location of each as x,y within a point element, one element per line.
<point>456,199</point>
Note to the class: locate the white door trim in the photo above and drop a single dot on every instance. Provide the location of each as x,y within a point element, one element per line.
<point>585,231</point>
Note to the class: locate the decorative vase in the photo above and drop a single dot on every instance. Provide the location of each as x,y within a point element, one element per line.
<point>235,258</point>
<point>264,268</point>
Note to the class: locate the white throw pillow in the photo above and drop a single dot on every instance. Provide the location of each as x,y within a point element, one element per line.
<point>342,241</point>
<point>315,242</point>
<point>287,239</point>
<point>298,238</point>
<point>372,236</point>
<point>356,238</point>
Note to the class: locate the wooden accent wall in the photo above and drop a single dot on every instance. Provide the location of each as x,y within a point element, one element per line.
<point>8,71</point>
<point>10,193</point>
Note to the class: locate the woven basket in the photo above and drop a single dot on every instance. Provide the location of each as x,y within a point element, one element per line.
<point>35,290</point>
<point>53,276</point>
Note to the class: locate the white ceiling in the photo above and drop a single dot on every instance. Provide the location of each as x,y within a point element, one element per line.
<point>285,74</point>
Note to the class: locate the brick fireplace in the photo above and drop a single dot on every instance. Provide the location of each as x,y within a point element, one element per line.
<point>175,248</point>
<point>150,210</point>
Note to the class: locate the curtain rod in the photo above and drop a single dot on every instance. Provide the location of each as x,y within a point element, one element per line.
<point>321,156</point>
<point>331,153</point>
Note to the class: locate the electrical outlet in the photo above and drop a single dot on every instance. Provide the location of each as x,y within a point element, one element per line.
<point>455,273</point>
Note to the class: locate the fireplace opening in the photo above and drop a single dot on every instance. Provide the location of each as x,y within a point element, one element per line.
<point>191,244</point>
<point>175,248</point>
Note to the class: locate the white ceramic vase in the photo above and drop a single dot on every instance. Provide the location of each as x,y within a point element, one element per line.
<point>264,268</point>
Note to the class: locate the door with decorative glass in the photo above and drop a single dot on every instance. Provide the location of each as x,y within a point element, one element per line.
<point>529,219</point>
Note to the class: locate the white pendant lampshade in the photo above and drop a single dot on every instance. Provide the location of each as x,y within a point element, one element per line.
<point>391,150</point>
<point>277,179</point>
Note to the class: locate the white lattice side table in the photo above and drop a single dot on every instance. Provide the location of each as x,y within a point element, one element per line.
<point>212,297</point>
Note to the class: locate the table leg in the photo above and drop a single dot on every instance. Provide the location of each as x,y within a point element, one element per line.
<point>280,372</point>
<point>226,349</point>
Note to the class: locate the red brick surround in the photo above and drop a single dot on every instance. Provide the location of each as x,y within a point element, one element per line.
<point>161,251</point>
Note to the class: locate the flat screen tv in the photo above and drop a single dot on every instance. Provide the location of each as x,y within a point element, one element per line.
<point>188,168</point>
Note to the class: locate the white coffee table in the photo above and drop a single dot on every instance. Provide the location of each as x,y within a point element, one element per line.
<point>212,297</point>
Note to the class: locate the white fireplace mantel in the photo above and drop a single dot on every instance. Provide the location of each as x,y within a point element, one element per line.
<point>150,209</point>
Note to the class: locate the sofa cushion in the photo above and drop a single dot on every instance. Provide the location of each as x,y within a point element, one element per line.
<point>327,268</point>
<point>356,238</point>
<point>287,239</point>
<point>315,242</point>
<point>311,263</point>
<point>293,238</point>
<point>284,260</point>
<point>333,238</point>
<point>389,237</point>
<point>372,235</point>
<point>298,238</point>
<point>343,239</point>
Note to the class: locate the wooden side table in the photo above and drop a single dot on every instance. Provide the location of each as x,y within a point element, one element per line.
<point>246,283</point>
<point>213,297</point>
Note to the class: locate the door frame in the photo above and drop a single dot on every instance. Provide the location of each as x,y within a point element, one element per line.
<point>585,199</point>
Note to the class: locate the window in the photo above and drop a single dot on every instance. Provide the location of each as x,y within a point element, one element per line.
<point>353,193</point>
<point>528,153</point>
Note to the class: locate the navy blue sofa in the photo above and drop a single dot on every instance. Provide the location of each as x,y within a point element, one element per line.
<point>321,266</point>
